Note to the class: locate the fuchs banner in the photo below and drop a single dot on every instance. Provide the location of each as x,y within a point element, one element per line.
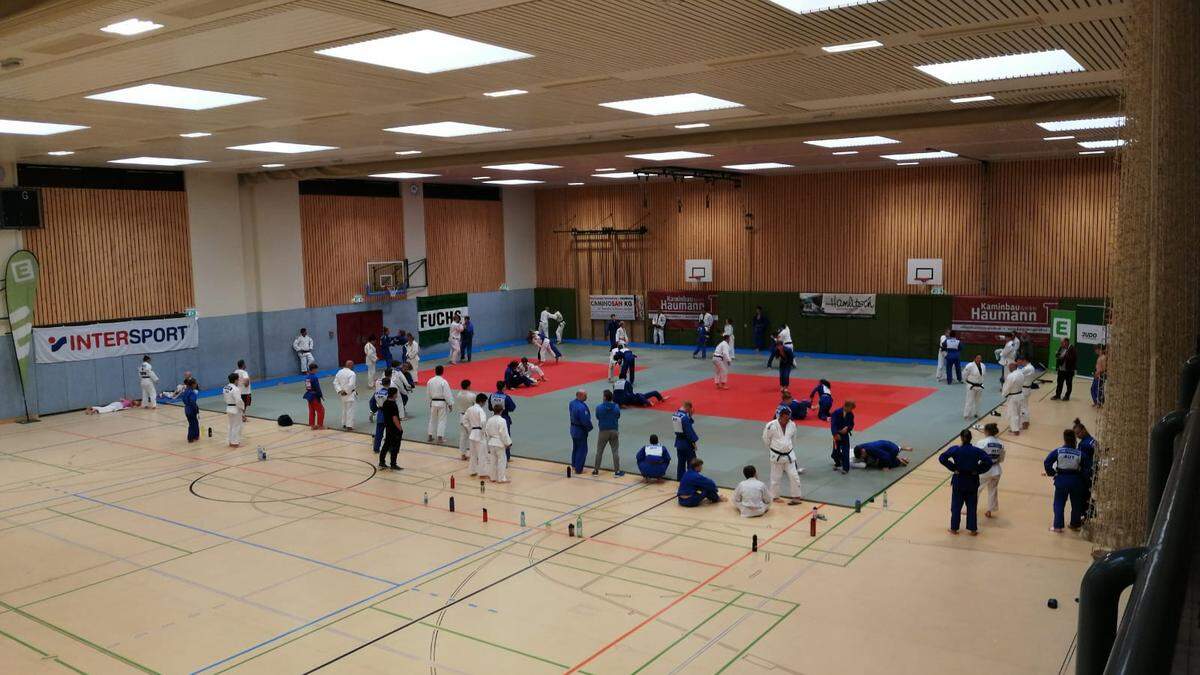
<point>624,306</point>
<point>683,308</point>
<point>838,304</point>
<point>982,318</point>
<point>121,338</point>
<point>435,313</point>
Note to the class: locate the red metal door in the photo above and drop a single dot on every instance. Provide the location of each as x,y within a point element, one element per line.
<point>353,329</point>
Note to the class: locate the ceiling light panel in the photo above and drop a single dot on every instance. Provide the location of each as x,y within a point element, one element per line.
<point>809,6</point>
<point>446,129</point>
<point>1058,138</point>
<point>693,125</point>
<point>195,134</point>
<point>1089,123</point>
<point>1003,67</point>
<point>907,163</point>
<point>131,27</point>
<point>282,148</point>
<point>514,181</point>
<point>852,46</point>
<point>425,51</point>
<point>574,183</point>
<point>24,128</point>
<point>1092,152</point>
<point>1093,145</point>
<point>757,167</point>
<point>846,152</point>
<point>615,174</point>
<point>60,153</point>
<point>404,175</point>
<point>909,156</point>
<point>408,152</point>
<point>168,96</point>
<point>273,166</point>
<point>973,99</point>
<point>852,142</point>
<point>506,92</point>
<point>670,105</point>
<point>157,161</point>
<point>523,166</point>
<point>668,156</point>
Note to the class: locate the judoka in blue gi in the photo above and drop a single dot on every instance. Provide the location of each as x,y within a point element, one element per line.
<point>841,424</point>
<point>627,364</point>
<point>624,395</point>
<point>695,488</point>
<point>823,392</point>
<point>385,346</point>
<point>966,462</point>
<point>513,377</point>
<point>468,337</point>
<point>952,345</point>
<point>653,460</point>
<point>581,425</point>
<point>610,330</point>
<point>685,438</point>
<point>499,398</point>
<point>701,342</point>
<point>759,326</point>
<point>1087,444</point>
<point>1071,468</point>
<point>797,409</point>
<point>881,455</point>
<point>376,404</point>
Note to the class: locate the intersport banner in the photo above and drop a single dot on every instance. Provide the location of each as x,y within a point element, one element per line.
<point>435,313</point>
<point>624,306</point>
<point>838,304</point>
<point>121,338</point>
<point>682,308</point>
<point>982,319</point>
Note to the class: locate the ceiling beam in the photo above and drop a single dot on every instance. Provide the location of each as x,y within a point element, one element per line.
<point>982,116</point>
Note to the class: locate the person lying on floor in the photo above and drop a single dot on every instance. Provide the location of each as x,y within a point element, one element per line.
<point>879,455</point>
<point>798,409</point>
<point>623,395</point>
<point>115,406</point>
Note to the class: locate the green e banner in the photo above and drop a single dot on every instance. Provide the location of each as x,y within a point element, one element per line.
<point>1062,325</point>
<point>20,293</point>
<point>435,313</point>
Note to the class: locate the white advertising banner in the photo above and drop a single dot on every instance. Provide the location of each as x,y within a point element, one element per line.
<point>1090,334</point>
<point>624,306</point>
<point>838,304</point>
<point>121,338</point>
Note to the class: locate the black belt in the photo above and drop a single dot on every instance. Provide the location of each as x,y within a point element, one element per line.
<point>1015,393</point>
<point>145,377</point>
<point>438,399</point>
<point>474,428</point>
<point>305,351</point>
<point>976,385</point>
<point>781,454</point>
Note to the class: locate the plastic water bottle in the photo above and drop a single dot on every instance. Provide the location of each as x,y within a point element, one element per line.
<point>885,499</point>
<point>522,519</point>
<point>262,454</point>
<point>425,499</point>
<point>579,526</point>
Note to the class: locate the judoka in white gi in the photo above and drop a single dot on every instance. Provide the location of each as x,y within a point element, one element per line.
<point>722,358</point>
<point>1013,392</point>
<point>778,436</point>
<point>622,334</point>
<point>751,497</point>
<point>973,375</point>
<point>1007,354</point>
<point>991,480</point>
<point>497,440</point>
<point>148,379</point>
<point>456,330</point>
<point>559,325</point>
<point>412,352</point>
<point>707,319</point>
<point>545,351</point>
<point>939,373</point>
<point>243,384</point>
<point>544,321</point>
<point>303,346</point>
<point>659,322</point>
<point>473,422</point>
<point>463,400</point>
<point>371,358</point>
<point>1029,375</point>
<point>440,404</point>
<point>727,332</point>
<point>234,409</point>
<point>345,383</point>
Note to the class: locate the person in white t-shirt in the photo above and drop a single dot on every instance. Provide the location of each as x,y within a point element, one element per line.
<point>243,384</point>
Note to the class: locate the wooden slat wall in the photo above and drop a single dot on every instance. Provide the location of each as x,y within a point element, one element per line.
<point>339,236</point>
<point>1050,223</point>
<point>464,244</point>
<point>847,231</point>
<point>112,254</point>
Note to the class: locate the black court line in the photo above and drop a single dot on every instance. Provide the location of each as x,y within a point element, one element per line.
<point>482,589</point>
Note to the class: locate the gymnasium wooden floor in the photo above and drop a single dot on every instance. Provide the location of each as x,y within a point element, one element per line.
<point>125,549</point>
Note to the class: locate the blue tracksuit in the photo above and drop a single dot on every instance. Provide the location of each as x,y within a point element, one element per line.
<point>627,359</point>
<point>839,420</point>
<point>967,462</point>
<point>701,342</point>
<point>824,400</point>
<point>385,349</point>
<point>379,397</point>
<point>695,488</point>
<point>581,424</point>
<point>653,464</point>
<point>685,440</point>
<point>759,326</point>
<point>953,366</point>
<point>610,329</point>
<point>787,361</point>
<point>1072,471</point>
<point>468,339</point>
<point>884,454</point>
<point>192,411</point>
<point>312,388</point>
<point>608,415</point>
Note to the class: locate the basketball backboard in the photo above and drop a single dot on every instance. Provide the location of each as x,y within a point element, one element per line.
<point>924,272</point>
<point>698,270</point>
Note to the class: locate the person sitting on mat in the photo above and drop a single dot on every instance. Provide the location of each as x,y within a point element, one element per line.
<point>531,370</point>
<point>798,409</point>
<point>880,455</point>
<point>624,395</point>
<point>514,378</point>
<point>695,488</point>
<point>823,392</point>
<point>653,460</point>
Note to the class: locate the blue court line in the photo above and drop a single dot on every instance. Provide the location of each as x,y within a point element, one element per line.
<point>395,585</point>
<point>743,350</point>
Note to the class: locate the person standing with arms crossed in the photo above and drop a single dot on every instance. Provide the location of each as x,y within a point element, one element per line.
<point>966,462</point>
<point>1065,366</point>
<point>581,425</point>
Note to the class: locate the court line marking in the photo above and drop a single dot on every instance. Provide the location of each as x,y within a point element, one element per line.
<point>683,597</point>
<point>67,633</point>
<point>42,653</point>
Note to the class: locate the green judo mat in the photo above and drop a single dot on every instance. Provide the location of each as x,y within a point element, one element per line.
<point>897,400</point>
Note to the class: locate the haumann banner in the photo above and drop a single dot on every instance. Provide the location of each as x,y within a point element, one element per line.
<point>20,293</point>
<point>982,319</point>
<point>435,313</point>
<point>119,338</point>
<point>838,304</point>
<point>682,308</point>
<point>624,306</point>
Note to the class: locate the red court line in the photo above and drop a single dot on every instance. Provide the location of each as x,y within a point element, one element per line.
<point>685,596</point>
<point>377,495</point>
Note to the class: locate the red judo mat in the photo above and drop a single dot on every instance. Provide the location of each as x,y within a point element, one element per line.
<point>755,397</point>
<point>485,373</point>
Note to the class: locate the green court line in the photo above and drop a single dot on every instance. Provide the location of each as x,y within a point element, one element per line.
<point>79,639</point>
<point>101,581</point>
<point>474,638</point>
<point>40,652</point>
<point>683,637</point>
<point>897,521</point>
<point>114,529</point>
<point>755,641</point>
<point>34,461</point>
<point>821,536</point>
